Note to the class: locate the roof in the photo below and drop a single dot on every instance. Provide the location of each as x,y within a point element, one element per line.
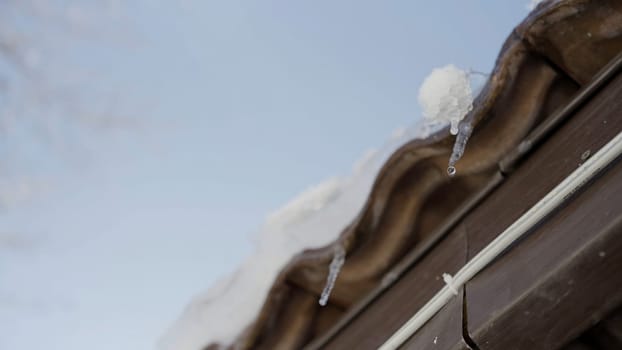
<point>545,61</point>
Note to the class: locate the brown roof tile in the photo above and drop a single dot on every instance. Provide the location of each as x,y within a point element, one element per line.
<point>557,49</point>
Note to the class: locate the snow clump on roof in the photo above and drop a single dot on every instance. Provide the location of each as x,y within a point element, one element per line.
<point>532,4</point>
<point>446,96</point>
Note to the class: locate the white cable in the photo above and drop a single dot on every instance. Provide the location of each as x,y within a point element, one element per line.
<point>545,206</point>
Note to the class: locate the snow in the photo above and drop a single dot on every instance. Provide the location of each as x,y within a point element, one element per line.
<point>310,201</point>
<point>313,219</point>
<point>446,96</point>
<point>532,4</point>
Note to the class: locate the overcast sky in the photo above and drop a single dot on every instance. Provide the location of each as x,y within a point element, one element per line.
<point>243,104</point>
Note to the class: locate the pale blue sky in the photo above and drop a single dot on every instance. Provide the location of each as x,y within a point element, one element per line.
<point>243,105</point>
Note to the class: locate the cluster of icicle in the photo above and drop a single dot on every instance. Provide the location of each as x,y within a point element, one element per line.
<point>339,257</point>
<point>446,96</point>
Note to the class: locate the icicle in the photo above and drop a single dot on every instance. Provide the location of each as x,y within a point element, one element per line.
<point>339,258</point>
<point>462,128</point>
<point>464,133</point>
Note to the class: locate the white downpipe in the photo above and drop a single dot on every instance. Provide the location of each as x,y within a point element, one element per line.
<point>545,206</point>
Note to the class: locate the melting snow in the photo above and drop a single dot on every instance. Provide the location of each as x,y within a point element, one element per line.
<point>315,219</point>
<point>446,96</point>
<point>532,4</point>
<point>312,220</point>
<point>307,203</point>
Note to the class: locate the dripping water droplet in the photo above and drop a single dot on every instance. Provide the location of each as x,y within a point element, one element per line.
<point>451,170</point>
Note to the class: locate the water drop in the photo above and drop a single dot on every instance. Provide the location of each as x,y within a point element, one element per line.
<point>451,170</point>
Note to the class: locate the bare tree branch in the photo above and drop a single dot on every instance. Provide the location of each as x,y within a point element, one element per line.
<point>38,96</point>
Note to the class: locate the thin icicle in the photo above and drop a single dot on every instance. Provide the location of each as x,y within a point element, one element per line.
<point>339,258</point>
<point>464,132</point>
<point>464,129</point>
<point>446,96</point>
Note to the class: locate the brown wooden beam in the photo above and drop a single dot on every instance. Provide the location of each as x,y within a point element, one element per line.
<point>553,284</point>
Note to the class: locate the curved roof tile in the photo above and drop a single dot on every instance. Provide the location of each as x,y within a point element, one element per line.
<point>557,49</point>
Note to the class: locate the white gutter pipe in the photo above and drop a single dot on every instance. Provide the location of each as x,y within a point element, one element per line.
<point>606,155</point>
